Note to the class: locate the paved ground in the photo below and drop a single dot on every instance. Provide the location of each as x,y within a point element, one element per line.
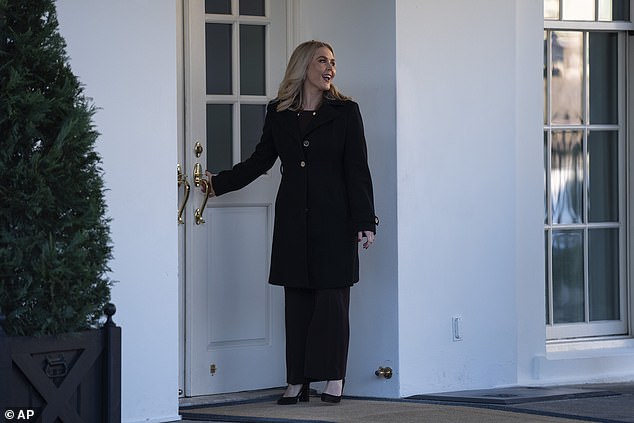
<point>605,403</point>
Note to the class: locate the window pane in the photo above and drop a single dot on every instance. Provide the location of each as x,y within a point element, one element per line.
<point>220,7</point>
<point>251,123</point>
<point>567,77</point>
<point>603,274</point>
<point>566,176</point>
<point>545,177</point>
<point>603,78</point>
<point>545,77</point>
<point>605,10</point>
<point>252,60</point>
<point>551,9</point>
<point>218,58</point>
<point>603,182</point>
<point>614,10</point>
<point>252,7</point>
<point>621,10</point>
<point>548,322</point>
<point>219,137</point>
<point>578,10</point>
<point>584,10</point>
<point>567,263</point>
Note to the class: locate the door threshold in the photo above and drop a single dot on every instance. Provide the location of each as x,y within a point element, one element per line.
<point>185,402</point>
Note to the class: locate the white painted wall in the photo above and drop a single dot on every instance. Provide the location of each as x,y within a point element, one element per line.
<point>362,33</point>
<point>124,52</point>
<point>457,187</point>
<point>529,187</point>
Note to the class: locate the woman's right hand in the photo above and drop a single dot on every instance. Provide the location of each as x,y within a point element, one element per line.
<point>207,186</point>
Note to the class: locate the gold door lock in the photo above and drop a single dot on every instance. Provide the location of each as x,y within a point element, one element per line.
<point>198,182</point>
<point>385,372</point>
<point>198,149</point>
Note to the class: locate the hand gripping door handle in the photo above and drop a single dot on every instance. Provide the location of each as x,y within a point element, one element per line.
<point>200,181</point>
<point>182,180</point>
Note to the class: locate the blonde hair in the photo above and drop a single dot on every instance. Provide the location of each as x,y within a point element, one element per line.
<point>290,94</point>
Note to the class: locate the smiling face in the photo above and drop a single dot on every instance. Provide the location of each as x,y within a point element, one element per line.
<point>321,71</point>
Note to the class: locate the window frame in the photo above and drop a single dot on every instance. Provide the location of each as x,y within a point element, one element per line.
<point>629,131</point>
<point>612,328</point>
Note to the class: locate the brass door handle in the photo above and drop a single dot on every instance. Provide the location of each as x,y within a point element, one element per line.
<point>199,181</point>
<point>182,180</point>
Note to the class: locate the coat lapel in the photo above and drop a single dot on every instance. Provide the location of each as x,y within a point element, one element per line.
<point>327,112</point>
<point>289,122</point>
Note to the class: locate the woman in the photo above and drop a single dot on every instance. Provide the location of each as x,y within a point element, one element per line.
<point>324,207</point>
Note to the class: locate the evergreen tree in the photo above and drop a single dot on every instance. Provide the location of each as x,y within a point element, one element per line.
<point>54,236</point>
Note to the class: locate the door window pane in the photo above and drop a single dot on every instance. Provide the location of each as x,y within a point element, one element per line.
<point>603,274</point>
<point>219,137</point>
<point>251,123</point>
<point>252,7</point>
<point>252,60</point>
<point>567,77</point>
<point>218,58</point>
<point>566,177</point>
<point>603,75</point>
<point>603,171</point>
<point>568,281</point>
<point>219,7</point>
<point>578,10</point>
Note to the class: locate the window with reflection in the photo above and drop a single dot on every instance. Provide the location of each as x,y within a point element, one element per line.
<point>584,170</point>
<point>587,10</point>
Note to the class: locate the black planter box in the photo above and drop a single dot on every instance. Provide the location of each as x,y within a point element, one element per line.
<point>68,378</point>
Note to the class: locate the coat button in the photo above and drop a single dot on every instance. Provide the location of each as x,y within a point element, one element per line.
<point>306,143</point>
<point>302,163</point>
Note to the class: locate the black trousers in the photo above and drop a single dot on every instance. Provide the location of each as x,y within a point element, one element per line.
<point>317,334</point>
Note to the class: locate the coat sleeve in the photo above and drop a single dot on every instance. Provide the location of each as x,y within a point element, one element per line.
<point>357,174</point>
<point>247,171</point>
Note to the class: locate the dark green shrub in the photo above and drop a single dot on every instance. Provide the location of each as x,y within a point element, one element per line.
<point>54,236</point>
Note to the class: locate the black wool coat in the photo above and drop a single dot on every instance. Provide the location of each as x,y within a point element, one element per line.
<point>325,196</point>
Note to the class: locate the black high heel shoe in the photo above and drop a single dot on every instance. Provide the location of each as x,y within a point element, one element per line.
<point>333,399</point>
<point>302,396</point>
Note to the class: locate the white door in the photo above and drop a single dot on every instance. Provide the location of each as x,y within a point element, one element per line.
<point>235,54</point>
